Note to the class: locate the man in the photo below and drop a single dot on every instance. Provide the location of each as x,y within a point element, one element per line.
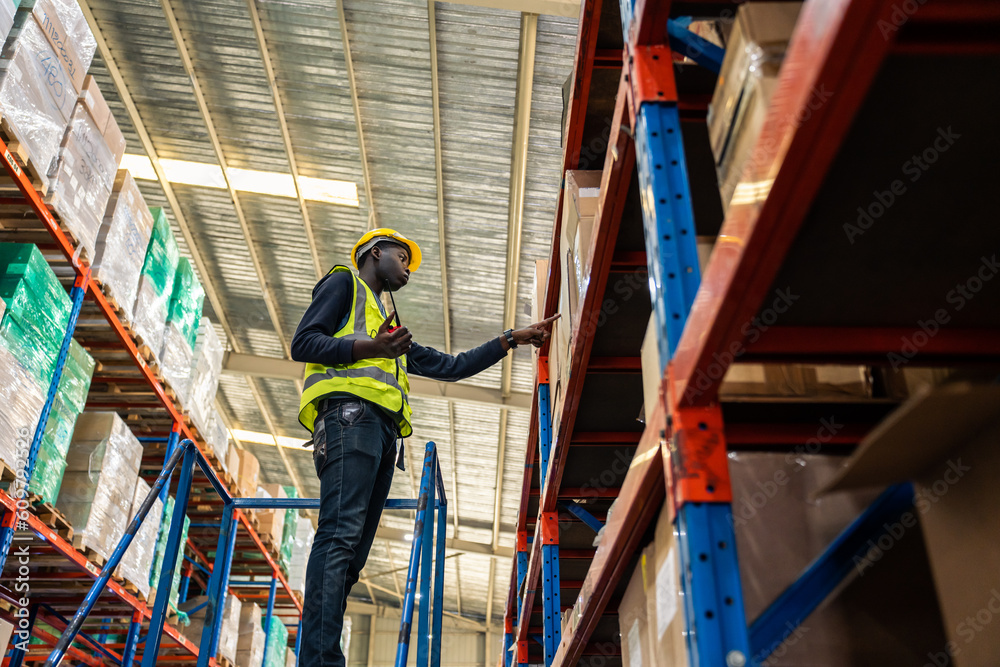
<point>354,401</point>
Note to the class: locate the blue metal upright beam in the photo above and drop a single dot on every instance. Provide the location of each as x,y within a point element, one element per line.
<point>544,433</point>
<point>217,585</point>
<point>437,605</point>
<point>671,245</point>
<point>173,548</point>
<point>551,597</point>
<point>19,487</point>
<point>426,573</point>
<point>710,580</point>
<point>132,639</point>
<point>426,480</point>
<point>693,46</point>
<point>16,654</point>
<point>269,616</point>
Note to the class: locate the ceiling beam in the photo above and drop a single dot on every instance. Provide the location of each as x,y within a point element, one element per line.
<point>213,135</point>
<point>518,175</point>
<point>498,490</point>
<point>566,8</point>
<point>349,62</point>
<point>286,137</point>
<point>464,546</point>
<point>235,363</point>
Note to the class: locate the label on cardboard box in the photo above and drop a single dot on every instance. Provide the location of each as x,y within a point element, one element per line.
<point>48,21</point>
<point>666,593</point>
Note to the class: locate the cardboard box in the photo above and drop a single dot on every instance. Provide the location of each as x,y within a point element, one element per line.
<point>945,440</point>
<point>538,289</point>
<point>580,197</point>
<point>633,613</point>
<point>93,100</point>
<point>6,632</point>
<point>272,522</point>
<point>743,92</point>
<point>246,474</point>
<point>115,140</point>
<point>652,374</point>
<point>232,461</point>
<point>665,609</point>
<point>62,44</point>
<point>796,380</point>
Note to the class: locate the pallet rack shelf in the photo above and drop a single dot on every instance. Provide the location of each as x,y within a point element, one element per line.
<point>153,411</point>
<point>855,78</point>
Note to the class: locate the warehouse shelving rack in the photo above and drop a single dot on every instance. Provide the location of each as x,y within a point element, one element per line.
<point>812,159</point>
<point>153,414</point>
<point>427,556</point>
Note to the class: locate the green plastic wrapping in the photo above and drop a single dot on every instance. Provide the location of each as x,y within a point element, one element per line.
<point>277,643</point>
<point>161,548</point>
<point>156,283</point>
<point>186,301</point>
<point>25,260</point>
<point>77,373</point>
<point>50,466</point>
<point>288,536</point>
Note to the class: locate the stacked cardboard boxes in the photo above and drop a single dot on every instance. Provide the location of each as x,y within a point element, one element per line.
<point>137,561</point>
<point>250,645</point>
<point>229,634</point>
<point>122,242</point>
<point>98,487</point>
<point>272,522</point>
<point>743,93</point>
<point>304,535</point>
<point>21,402</point>
<point>245,469</point>
<point>42,69</point>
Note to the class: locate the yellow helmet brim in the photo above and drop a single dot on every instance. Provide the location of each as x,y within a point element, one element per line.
<point>386,234</point>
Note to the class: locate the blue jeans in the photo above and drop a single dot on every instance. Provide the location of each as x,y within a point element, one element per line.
<point>353,453</point>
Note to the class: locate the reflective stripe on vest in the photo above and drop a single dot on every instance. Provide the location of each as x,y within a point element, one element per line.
<point>381,381</point>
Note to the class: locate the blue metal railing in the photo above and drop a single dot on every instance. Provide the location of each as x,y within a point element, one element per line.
<point>427,552</point>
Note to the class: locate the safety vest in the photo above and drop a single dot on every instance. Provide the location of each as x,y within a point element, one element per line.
<point>381,381</point>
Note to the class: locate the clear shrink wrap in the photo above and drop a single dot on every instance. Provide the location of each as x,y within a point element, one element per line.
<point>277,643</point>
<point>6,19</point>
<point>37,93</point>
<point>160,553</point>
<point>186,300</point>
<point>175,362</point>
<point>229,634</point>
<point>73,25</point>
<point>102,467</point>
<point>135,564</point>
<point>50,463</point>
<point>250,644</point>
<point>304,535</point>
<point>81,179</point>
<point>21,401</point>
<point>288,533</point>
<point>122,242</point>
<point>155,283</point>
<point>209,350</point>
<point>217,437</point>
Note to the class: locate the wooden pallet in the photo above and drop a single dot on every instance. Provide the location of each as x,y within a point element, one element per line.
<point>133,590</point>
<point>221,660</point>
<point>87,552</point>
<point>7,474</point>
<point>53,518</point>
<point>27,164</point>
<point>298,595</point>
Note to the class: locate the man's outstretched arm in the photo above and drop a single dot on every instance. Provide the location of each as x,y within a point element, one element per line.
<point>430,363</point>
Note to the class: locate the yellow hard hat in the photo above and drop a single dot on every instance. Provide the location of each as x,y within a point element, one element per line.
<point>368,241</point>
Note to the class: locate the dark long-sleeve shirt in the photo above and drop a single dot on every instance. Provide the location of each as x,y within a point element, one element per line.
<point>330,308</point>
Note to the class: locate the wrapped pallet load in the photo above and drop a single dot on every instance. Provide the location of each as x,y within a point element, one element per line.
<point>7,9</point>
<point>81,179</point>
<point>99,484</point>
<point>160,554</point>
<point>229,633</point>
<point>70,400</point>
<point>135,564</point>
<point>304,535</point>
<point>217,438</point>
<point>181,333</point>
<point>37,309</point>
<point>272,522</point>
<point>277,643</point>
<point>122,242</point>
<point>156,283</point>
<point>208,353</point>
<point>288,531</point>
<point>250,645</point>
<point>42,71</point>
<point>21,402</point>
